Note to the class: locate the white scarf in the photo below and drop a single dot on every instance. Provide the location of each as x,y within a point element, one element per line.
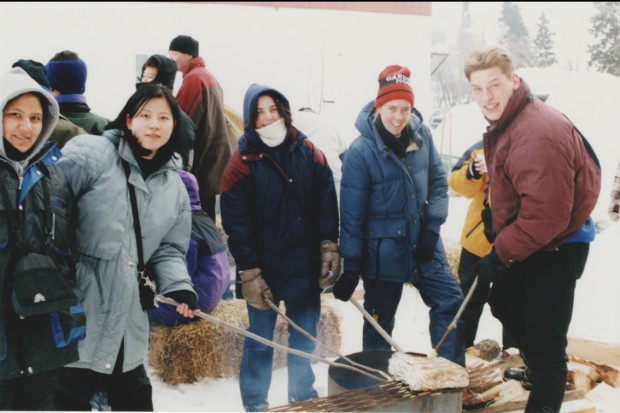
<point>274,134</point>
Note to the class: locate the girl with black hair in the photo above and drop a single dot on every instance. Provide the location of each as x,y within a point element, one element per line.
<point>143,138</point>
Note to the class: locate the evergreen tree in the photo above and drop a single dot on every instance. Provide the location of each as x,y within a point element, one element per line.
<point>449,83</point>
<point>605,52</point>
<point>543,54</point>
<point>514,35</point>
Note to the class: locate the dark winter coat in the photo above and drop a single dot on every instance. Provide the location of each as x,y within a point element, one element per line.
<point>386,201</point>
<point>65,130</point>
<point>27,345</point>
<point>201,97</point>
<point>278,204</point>
<point>544,183</point>
<point>75,108</point>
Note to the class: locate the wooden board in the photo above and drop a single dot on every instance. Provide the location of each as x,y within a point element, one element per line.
<point>519,405</point>
<point>594,351</point>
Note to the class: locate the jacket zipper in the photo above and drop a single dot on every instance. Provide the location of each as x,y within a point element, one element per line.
<point>473,229</point>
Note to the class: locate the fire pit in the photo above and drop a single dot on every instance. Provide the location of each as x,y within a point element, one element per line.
<point>342,381</point>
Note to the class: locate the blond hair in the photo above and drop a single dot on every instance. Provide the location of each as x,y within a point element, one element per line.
<point>495,56</point>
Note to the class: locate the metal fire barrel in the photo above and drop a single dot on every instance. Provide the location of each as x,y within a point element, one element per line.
<point>342,381</point>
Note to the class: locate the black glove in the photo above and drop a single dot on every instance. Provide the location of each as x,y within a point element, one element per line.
<point>472,172</point>
<point>492,269</point>
<point>346,284</point>
<point>184,297</point>
<point>425,249</point>
<point>487,222</point>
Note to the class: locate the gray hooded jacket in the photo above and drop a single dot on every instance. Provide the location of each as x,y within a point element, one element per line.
<point>106,245</point>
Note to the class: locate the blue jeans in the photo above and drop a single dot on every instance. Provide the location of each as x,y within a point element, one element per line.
<point>440,292</point>
<point>257,359</point>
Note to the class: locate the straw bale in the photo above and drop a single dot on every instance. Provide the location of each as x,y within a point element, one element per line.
<point>191,352</point>
<point>453,252</point>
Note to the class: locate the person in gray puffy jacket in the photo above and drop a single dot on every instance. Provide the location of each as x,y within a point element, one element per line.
<point>144,136</point>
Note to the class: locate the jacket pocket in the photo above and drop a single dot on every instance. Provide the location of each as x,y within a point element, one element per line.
<point>387,248</point>
<point>40,286</point>
<point>504,213</point>
<point>68,326</point>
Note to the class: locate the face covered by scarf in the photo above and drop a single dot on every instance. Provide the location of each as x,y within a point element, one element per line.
<point>273,135</point>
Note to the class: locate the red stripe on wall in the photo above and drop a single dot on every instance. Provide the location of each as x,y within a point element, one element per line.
<point>422,8</point>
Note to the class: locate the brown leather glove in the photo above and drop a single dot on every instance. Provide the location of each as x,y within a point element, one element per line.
<point>330,264</point>
<point>254,288</point>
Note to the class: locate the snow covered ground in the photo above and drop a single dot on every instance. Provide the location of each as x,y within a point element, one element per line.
<point>596,317</point>
<point>592,101</point>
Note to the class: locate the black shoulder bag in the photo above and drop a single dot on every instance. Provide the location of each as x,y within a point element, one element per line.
<point>146,279</point>
<point>41,284</point>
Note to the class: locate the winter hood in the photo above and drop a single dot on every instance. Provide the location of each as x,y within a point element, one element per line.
<point>249,102</point>
<point>166,71</point>
<point>251,98</point>
<point>16,82</point>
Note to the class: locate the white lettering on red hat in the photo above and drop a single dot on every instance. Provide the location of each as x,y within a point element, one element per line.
<point>398,78</point>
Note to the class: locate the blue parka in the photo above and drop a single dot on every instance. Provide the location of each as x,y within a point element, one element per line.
<point>386,201</point>
<point>278,204</point>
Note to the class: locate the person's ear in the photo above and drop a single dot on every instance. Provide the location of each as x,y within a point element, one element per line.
<point>128,121</point>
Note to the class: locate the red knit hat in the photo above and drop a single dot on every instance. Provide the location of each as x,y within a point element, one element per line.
<point>394,84</point>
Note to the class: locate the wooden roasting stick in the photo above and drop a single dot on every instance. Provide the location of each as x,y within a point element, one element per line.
<point>318,343</point>
<point>457,317</point>
<point>376,325</point>
<point>170,301</point>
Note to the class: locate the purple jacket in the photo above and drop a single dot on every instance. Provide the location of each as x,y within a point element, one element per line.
<point>207,260</point>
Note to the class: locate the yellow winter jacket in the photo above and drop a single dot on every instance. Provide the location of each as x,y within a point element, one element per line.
<point>472,237</point>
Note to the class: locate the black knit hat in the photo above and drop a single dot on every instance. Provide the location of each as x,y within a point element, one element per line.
<point>184,44</point>
<point>35,70</point>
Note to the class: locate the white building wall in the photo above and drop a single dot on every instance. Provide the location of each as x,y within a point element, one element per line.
<point>312,56</point>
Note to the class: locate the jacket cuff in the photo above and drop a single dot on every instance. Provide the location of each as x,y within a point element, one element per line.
<point>353,264</point>
<point>433,226</point>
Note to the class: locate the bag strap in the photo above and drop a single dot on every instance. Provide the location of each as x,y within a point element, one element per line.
<point>48,217</point>
<point>136,220</point>
<point>587,145</point>
<point>589,148</point>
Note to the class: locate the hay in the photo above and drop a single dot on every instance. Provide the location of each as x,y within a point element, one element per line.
<point>191,352</point>
<point>453,252</point>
